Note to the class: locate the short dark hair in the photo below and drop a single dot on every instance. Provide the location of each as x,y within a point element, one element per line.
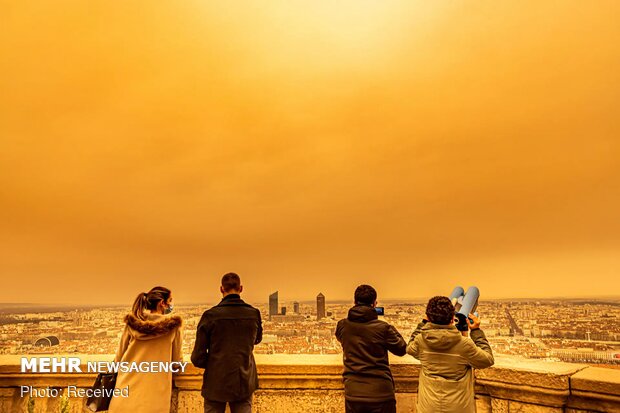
<point>231,281</point>
<point>440,310</point>
<point>365,294</point>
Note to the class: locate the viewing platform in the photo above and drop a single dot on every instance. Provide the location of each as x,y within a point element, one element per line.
<point>313,384</point>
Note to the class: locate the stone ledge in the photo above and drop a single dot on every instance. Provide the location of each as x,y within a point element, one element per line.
<point>513,384</point>
<point>595,388</point>
<point>597,380</point>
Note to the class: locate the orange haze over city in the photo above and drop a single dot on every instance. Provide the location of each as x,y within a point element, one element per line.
<point>310,147</point>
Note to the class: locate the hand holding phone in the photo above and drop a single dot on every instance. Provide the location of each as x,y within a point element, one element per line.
<point>473,321</point>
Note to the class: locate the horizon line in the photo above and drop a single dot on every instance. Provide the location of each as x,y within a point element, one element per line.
<point>413,299</point>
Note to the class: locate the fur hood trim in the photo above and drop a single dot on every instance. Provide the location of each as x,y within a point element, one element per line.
<point>163,325</point>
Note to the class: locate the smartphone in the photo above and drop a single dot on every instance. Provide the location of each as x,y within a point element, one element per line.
<point>380,310</point>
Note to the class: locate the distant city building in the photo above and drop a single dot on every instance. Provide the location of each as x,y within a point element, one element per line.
<point>77,319</point>
<point>48,341</point>
<point>320,306</point>
<point>290,318</point>
<point>273,304</point>
<point>283,311</point>
<point>296,307</point>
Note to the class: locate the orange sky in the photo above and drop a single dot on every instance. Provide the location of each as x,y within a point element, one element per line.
<point>309,146</point>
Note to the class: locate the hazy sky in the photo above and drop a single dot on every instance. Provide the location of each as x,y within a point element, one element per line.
<point>309,146</point>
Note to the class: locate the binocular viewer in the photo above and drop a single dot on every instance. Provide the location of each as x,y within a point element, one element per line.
<point>465,303</point>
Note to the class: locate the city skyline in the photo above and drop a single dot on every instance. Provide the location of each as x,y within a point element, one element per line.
<point>531,329</point>
<point>9,306</point>
<point>214,296</point>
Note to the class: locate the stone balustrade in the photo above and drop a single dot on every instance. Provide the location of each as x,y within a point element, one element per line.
<point>312,383</point>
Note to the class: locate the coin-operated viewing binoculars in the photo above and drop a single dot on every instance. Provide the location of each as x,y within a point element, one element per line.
<point>465,303</point>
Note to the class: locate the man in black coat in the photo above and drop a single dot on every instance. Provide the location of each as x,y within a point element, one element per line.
<point>366,340</point>
<point>224,346</point>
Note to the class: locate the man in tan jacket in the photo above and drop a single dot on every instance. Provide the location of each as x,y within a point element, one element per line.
<point>448,357</point>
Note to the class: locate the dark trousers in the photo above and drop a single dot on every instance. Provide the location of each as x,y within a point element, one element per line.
<point>239,406</point>
<point>388,406</point>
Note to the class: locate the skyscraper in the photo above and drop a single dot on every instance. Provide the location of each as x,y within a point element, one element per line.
<point>273,304</point>
<point>296,307</point>
<point>320,306</point>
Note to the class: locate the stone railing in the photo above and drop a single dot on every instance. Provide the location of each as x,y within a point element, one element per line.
<point>312,383</point>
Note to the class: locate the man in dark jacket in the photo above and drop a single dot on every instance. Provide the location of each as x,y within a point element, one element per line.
<point>224,346</point>
<point>368,382</point>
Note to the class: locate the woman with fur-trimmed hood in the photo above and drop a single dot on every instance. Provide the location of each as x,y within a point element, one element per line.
<point>150,334</point>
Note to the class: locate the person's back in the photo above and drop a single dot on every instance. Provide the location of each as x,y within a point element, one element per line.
<point>366,341</point>
<point>447,357</point>
<point>225,340</point>
<point>150,334</point>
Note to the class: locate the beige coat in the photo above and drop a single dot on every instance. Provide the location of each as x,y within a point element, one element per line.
<point>158,338</point>
<point>447,380</point>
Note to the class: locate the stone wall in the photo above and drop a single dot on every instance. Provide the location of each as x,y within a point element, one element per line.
<point>312,383</point>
